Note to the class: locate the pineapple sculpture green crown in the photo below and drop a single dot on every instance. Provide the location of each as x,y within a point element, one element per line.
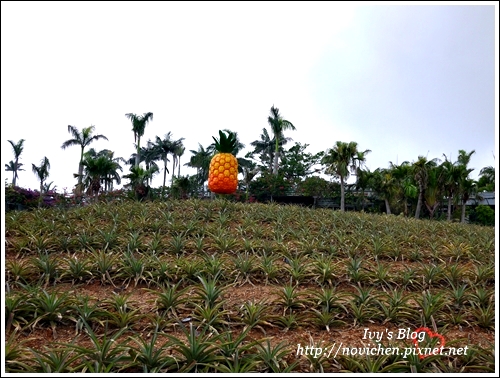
<point>225,144</point>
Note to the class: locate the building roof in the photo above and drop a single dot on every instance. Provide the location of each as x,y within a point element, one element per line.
<point>483,198</point>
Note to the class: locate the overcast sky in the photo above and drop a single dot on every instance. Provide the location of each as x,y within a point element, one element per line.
<point>402,81</point>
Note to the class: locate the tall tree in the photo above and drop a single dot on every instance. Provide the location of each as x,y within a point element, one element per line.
<point>278,126</point>
<point>139,123</point>
<point>359,160</point>
<point>467,188</point>
<point>406,188</point>
<point>100,168</point>
<point>249,170</point>
<point>177,146</point>
<point>112,174</point>
<point>148,155</point>
<point>48,187</point>
<point>14,168</point>
<point>486,180</point>
<point>42,172</point>
<point>420,170</point>
<point>451,177</point>
<point>179,151</point>
<point>464,157</point>
<point>358,163</point>
<point>466,185</point>
<point>384,184</point>
<point>139,178</point>
<point>340,161</point>
<point>181,187</point>
<point>94,171</point>
<point>163,148</point>
<point>83,139</point>
<point>296,164</point>
<point>265,147</point>
<point>433,187</point>
<point>17,148</point>
<point>201,161</point>
<point>363,180</point>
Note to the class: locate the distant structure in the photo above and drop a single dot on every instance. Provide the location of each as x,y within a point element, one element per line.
<point>483,198</point>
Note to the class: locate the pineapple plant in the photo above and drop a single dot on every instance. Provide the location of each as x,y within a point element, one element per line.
<point>223,172</point>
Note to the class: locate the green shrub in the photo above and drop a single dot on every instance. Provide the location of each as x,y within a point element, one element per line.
<point>484,215</point>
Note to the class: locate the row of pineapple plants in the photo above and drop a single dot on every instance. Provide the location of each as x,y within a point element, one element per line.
<point>321,268</point>
<point>452,303</point>
<point>457,305</point>
<point>118,315</point>
<point>177,236</point>
<point>327,270</point>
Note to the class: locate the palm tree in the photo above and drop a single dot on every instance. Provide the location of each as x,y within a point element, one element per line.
<point>177,147</point>
<point>489,172</point>
<point>451,177</point>
<point>278,126</point>
<point>384,184</point>
<point>139,178</point>
<point>111,174</point>
<point>48,187</point>
<point>17,148</point>
<point>100,168</point>
<point>249,170</point>
<point>148,155</point>
<point>14,168</point>
<point>358,163</point>
<point>420,170</point>
<point>83,139</point>
<point>266,146</point>
<point>340,160</point>
<point>404,182</point>
<point>138,127</point>
<point>179,152</point>
<point>163,147</point>
<point>94,168</point>
<point>42,172</point>
<point>432,193</point>
<point>466,185</point>
<point>181,186</point>
<point>467,188</point>
<point>463,158</point>
<point>160,151</point>
<point>109,169</point>
<point>363,179</point>
<point>486,180</point>
<point>201,161</point>
<point>359,160</point>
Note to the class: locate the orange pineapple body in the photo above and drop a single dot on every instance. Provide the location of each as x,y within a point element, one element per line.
<point>223,174</point>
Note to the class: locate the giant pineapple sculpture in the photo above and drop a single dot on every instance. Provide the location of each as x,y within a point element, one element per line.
<point>223,171</point>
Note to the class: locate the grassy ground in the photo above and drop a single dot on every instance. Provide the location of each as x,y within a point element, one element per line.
<point>215,286</point>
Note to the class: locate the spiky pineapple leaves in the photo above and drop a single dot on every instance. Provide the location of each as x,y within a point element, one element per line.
<point>225,143</point>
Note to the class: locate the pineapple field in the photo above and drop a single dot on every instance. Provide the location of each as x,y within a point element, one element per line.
<point>187,286</point>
